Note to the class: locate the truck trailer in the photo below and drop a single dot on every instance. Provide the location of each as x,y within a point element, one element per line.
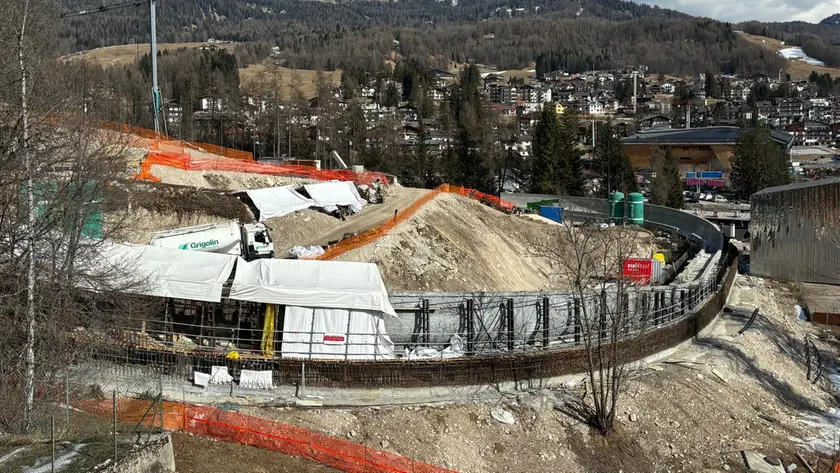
<point>250,241</point>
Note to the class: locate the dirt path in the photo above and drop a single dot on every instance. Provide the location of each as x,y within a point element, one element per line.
<point>372,215</point>
<point>195,454</point>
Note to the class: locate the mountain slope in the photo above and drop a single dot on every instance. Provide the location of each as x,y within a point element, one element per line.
<point>577,35</point>
<point>833,20</point>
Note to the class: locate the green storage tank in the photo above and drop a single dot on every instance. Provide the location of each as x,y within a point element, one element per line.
<point>636,208</point>
<point>616,200</point>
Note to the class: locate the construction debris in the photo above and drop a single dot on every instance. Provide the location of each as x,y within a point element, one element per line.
<point>502,415</point>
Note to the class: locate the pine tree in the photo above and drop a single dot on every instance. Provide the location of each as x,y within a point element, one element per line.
<point>666,187</point>
<point>547,173</point>
<point>570,153</point>
<point>758,162</point>
<point>614,164</point>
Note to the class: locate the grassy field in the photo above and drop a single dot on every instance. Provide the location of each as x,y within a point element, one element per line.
<point>797,69</point>
<point>127,53</point>
<point>306,78</point>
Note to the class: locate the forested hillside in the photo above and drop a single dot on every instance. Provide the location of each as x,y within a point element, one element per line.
<point>198,20</point>
<point>571,35</point>
<point>820,41</point>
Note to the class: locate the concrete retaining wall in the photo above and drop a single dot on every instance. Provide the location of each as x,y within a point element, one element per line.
<point>156,456</point>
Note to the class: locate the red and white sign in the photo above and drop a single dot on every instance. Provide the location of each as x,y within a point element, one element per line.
<point>638,270</point>
<point>334,339</point>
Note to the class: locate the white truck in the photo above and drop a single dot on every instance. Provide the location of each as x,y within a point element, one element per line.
<point>249,240</point>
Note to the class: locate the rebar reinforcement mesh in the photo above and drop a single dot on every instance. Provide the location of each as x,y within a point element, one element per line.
<point>680,313</point>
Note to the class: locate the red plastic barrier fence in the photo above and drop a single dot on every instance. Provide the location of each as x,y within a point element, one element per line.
<point>191,163</point>
<point>255,431</point>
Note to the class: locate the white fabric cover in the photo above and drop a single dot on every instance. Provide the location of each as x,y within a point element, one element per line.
<point>278,201</point>
<point>255,379</point>
<point>334,193</point>
<point>327,284</point>
<point>162,272</point>
<point>220,375</point>
<point>322,334</point>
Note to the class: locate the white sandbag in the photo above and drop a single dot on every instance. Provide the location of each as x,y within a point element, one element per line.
<point>201,379</point>
<point>256,379</point>
<point>306,252</point>
<point>220,375</point>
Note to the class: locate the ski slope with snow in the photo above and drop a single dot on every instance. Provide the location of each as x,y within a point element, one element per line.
<point>796,52</point>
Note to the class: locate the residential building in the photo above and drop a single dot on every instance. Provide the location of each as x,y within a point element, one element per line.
<point>810,133</point>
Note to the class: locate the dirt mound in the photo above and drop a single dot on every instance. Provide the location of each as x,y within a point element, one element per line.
<point>135,209</point>
<point>454,244</point>
<point>310,227</point>
<point>223,180</point>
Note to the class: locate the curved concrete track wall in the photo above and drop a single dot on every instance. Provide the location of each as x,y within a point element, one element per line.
<point>685,224</point>
<point>507,336</point>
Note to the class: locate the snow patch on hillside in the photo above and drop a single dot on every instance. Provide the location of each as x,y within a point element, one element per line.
<point>796,52</point>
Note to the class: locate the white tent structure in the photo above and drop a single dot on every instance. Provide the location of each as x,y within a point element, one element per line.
<point>160,272</point>
<point>331,193</point>
<point>278,201</point>
<point>333,310</point>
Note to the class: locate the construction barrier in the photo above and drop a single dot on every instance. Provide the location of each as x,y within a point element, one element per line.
<point>162,142</point>
<point>188,162</point>
<point>362,239</point>
<point>486,199</point>
<point>255,431</point>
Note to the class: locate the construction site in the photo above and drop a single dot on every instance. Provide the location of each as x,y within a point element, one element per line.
<point>306,319</point>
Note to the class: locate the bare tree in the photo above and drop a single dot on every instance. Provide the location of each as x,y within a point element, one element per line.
<point>591,259</point>
<point>55,174</point>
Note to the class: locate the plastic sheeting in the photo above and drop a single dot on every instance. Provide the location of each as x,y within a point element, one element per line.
<point>325,284</point>
<point>334,334</point>
<point>255,379</point>
<point>278,201</point>
<point>162,272</point>
<point>341,193</point>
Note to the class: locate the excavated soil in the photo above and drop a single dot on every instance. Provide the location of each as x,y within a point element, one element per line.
<point>313,228</point>
<point>135,210</point>
<point>457,244</point>
<point>223,180</point>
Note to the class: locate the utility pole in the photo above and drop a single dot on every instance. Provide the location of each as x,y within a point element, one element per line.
<point>156,102</point>
<point>635,91</point>
<point>688,114</point>
<point>155,88</point>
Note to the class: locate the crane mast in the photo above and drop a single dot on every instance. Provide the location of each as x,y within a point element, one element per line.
<point>156,101</point>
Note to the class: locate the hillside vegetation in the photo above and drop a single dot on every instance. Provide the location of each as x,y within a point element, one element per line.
<point>573,35</point>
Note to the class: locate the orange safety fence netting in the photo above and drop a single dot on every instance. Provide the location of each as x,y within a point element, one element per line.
<point>162,142</point>
<point>191,163</point>
<point>254,431</point>
<point>487,199</point>
<point>364,238</point>
<point>374,234</point>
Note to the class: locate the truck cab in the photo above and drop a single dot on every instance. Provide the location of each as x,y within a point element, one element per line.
<point>256,241</point>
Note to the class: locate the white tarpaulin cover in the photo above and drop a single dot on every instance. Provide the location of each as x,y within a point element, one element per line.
<point>327,284</point>
<point>334,193</point>
<point>334,334</point>
<point>278,201</point>
<point>164,272</point>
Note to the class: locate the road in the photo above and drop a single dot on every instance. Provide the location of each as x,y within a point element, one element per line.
<point>372,215</point>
